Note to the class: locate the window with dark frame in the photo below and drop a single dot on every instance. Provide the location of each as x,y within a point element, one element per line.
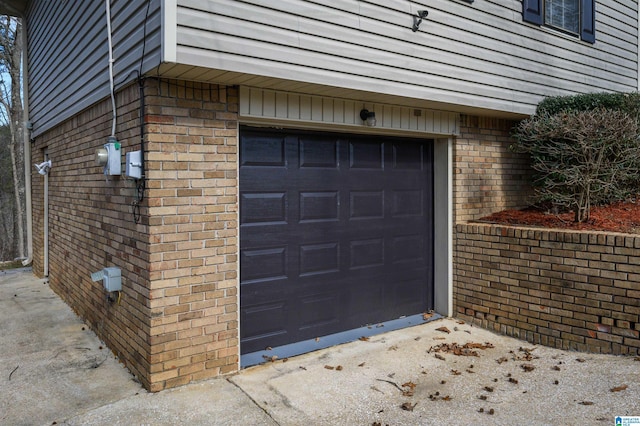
<point>563,14</point>
<point>570,16</point>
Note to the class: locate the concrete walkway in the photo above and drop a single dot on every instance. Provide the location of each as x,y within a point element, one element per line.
<point>54,370</point>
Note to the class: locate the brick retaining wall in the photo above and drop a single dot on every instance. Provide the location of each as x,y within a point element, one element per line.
<point>565,289</point>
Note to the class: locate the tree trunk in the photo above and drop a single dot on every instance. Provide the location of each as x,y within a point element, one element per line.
<point>12,102</point>
<point>17,140</point>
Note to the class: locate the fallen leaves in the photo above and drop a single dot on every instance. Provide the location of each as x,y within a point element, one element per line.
<point>526,354</point>
<point>363,339</point>
<point>331,367</point>
<point>437,397</point>
<point>443,329</point>
<point>585,403</point>
<point>465,350</point>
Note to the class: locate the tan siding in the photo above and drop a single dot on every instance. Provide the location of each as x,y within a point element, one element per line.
<point>480,55</point>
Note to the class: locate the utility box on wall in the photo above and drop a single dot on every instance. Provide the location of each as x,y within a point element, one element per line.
<point>112,279</point>
<point>133,165</point>
<point>114,159</point>
<point>110,156</point>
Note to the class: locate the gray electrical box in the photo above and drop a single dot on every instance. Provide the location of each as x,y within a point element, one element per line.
<point>112,279</point>
<point>133,167</point>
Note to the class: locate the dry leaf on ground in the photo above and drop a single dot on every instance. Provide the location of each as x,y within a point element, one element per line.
<point>407,406</point>
<point>619,388</point>
<point>410,389</point>
<point>443,329</point>
<point>428,315</point>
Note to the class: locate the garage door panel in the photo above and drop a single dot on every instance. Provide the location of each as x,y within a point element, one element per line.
<point>407,248</point>
<point>341,232</point>
<point>408,156</point>
<point>366,204</point>
<point>405,295</point>
<point>366,155</point>
<point>263,264</point>
<point>266,321</point>
<point>318,259</point>
<point>263,208</point>
<point>263,151</point>
<point>319,311</point>
<point>367,253</point>
<point>407,202</point>
<point>318,153</point>
<point>319,206</point>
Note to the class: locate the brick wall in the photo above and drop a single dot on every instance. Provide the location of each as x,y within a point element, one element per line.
<point>91,226</point>
<point>488,177</point>
<point>570,290</point>
<point>193,226</point>
<point>177,318</point>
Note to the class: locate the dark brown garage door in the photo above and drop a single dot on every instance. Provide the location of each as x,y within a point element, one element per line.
<point>335,233</point>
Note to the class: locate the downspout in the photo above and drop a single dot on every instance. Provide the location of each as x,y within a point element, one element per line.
<point>26,129</point>
<point>45,267</point>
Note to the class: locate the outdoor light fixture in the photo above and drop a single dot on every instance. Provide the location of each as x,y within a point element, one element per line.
<point>417,20</point>
<point>369,117</point>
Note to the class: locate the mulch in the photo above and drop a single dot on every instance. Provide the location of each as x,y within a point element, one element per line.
<point>617,217</point>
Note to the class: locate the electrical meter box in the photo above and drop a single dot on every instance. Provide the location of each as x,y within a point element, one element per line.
<point>133,165</point>
<point>113,165</point>
<point>112,279</point>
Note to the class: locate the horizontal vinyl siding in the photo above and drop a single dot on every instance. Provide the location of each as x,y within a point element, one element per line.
<point>479,55</point>
<point>68,54</point>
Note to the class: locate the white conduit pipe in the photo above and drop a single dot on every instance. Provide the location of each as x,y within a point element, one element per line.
<point>113,98</point>
<point>45,268</point>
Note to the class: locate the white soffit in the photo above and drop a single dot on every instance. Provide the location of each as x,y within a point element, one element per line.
<point>271,107</point>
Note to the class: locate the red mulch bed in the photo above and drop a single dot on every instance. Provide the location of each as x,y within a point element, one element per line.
<point>617,217</point>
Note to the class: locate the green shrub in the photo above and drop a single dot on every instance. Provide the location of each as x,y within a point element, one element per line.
<point>628,102</point>
<point>585,150</point>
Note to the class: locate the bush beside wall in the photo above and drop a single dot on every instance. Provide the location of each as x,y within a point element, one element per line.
<point>565,289</point>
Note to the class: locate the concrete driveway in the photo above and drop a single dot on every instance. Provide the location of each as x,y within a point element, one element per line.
<point>54,370</point>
